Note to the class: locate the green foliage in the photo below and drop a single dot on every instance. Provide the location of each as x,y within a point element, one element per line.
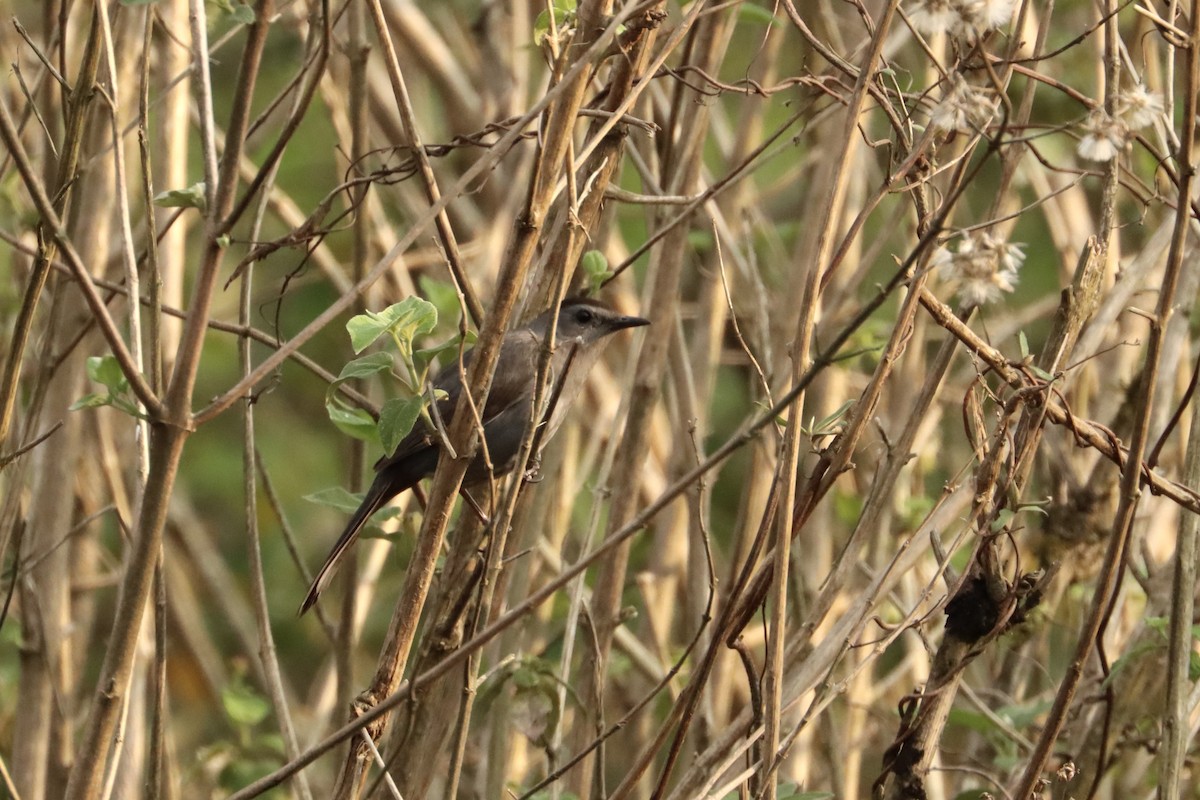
<point>915,509</point>
<point>423,358</point>
<point>749,12</point>
<point>240,12</point>
<point>191,197</point>
<point>105,371</point>
<point>255,749</point>
<point>1027,357</point>
<point>1016,716</point>
<point>564,19</point>
<point>1161,625</point>
<point>350,420</point>
<point>403,321</point>
<point>534,707</point>
<point>336,497</point>
<point>442,294</point>
<point>347,503</point>
<point>1006,516</point>
<point>244,706</point>
<point>595,269</point>
<point>832,424</point>
<point>397,418</point>
<point>365,367</point>
<point>400,324</point>
<point>847,506</point>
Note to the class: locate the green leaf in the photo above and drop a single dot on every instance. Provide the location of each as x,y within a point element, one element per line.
<point>525,678</point>
<point>971,719</point>
<point>364,329</point>
<point>595,268</point>
<point>92,401</point>
<point>1023,715</point>
<point>336,497</point>
<point>407,319</point>
<point>243,705</point>
<point>366,366</point>
<point>1131,656</point>
<point>425,356</point>
<point>831,423</point>
<point>442,294</point>
<point>191,197</point>
<point>564,13</point>
<point>749,12</point>
<point>396,419</point>
<point>240,12</point>
<point>105,371</point>
<point>243,14</point>
<point>351,421</point>
<point>1023,343</point>
<point>124,405</point>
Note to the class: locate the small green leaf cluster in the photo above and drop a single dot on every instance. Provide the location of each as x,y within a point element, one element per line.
<point>105,371</point>
<point>564,22</point>
<point>242,13</point>
<point>1162,626</point>
<point>595,270</point>
<point>994,725</point>
<point>254,749</point>
<point>534,707</point>
<point>191,197</point>
<point>401,323</point>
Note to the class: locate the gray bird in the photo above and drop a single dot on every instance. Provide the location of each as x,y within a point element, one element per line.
<point>583,328</point>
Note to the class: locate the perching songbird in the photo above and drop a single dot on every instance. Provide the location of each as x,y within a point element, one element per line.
<point>583,328</point>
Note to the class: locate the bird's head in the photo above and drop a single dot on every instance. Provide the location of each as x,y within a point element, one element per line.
<point>584,320</point>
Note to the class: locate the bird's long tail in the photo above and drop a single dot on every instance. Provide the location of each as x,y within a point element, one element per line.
<point>379,493</point>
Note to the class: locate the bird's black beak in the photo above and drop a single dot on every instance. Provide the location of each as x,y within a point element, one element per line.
<point>621,323</point>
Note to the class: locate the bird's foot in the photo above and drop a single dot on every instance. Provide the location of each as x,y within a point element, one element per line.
<point>533,470</point>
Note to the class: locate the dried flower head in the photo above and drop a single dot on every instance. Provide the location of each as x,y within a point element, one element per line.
<point>966,19</point>
<point>982,268</point>
<point>986,15</point>
<point>934,16</point>
<point>965,108</point>
<point>1104,137</point>
<point>1138,107</point>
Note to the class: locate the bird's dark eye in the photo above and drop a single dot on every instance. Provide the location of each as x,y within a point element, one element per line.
<point>584,316</point>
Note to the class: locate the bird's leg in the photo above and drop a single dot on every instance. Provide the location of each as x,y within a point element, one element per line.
<point>533,469</point>
<point>466,495</point>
